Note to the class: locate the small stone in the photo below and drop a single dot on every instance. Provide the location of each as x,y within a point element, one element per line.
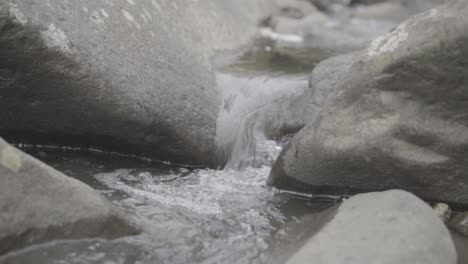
<point>443,211</point>
<point>10,159</point>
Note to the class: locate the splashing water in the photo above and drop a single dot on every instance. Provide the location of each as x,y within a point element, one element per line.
<point>220,210</point>
<point>199,216</point>
<point>214,216</point>
<point>256,109</point>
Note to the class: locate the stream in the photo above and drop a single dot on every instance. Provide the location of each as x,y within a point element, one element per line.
<point>200,215</point>
<point>207,216</point>
<point>226,215</point>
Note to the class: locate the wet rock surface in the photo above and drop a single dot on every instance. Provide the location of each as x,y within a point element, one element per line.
<point>327,75</point>
<point>334,27</point>
<point>387,227</point>
<point>138,77</point>
<point>39,204</point>
<point>459,222</point>
<point>396,120</point>
<point>118,76</point>
<point>416,5</point>
<point>265,105</point>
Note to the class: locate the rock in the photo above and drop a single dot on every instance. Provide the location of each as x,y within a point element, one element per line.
<point>327,75</point>
<point>443,211</point>
<point>287,25</point>
<point>316,35</point>
<point>256,110</point>
<point>391,11</point>
<point>288,114</point>
<point>294,8</point>
<point>133,77</point>
<point>297,106</point>
<point>415,5</point>
<point>39,204</point>
<point>396,120</point>
<point>270,108</point>
<point>329,5</point>
<point>459,222</point>
<point>370,2</point>
<point>388,227</point>
<point>319,36</point>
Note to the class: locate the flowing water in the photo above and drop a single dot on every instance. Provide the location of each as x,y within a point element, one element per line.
<point>188,216</point>
<point>203,215</point>
<point>200,215</point>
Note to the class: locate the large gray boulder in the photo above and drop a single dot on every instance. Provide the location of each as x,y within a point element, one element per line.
<point>132,76</point>
<point>298,105</point>
<point>397,119</point>
<point>39,204</point>
<point>328,74</point>
<point>380,228</point>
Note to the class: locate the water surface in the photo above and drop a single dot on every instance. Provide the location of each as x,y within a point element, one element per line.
<point>200,215</point>
<point>188,216</point>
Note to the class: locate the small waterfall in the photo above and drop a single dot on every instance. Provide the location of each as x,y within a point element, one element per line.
<point>256,110</point>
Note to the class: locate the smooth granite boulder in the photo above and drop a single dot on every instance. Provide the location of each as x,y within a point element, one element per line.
<point>126,76</point>
<point>397,119</point>
<point>327,75</point>
<point>380,228</point>
<point>39,204</point>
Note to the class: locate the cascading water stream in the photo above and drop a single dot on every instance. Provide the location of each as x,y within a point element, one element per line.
<point>200,215</point>
<point>229,215</point>
<point>255,110</point>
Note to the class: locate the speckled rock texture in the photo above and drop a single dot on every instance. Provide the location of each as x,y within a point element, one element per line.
<point>397,118</point>
<point>380,228</point>
<point>126,76</point>
<point>39,204</point>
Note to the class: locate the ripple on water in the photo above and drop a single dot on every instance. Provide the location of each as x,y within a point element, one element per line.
<point>215,215</point>
<point>199,216</point>
<point>204,192</point>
